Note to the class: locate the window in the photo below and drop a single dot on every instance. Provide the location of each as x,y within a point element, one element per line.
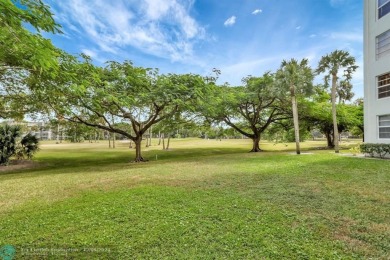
<point>384,86</point>
<point>383,8</point>
<point>384,127</point>
<point>383,44</point>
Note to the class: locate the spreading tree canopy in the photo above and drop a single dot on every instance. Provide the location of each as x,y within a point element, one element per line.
<point>249,109</point>
<point>120,95</point>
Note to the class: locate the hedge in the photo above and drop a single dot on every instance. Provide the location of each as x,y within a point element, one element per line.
<point>374,150</point>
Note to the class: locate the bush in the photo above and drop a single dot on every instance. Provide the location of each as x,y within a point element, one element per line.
<point>27,147</point>
<point>9,145</point>
<point>356,149</point>
<point>8,136</point>
<point>373,150</point>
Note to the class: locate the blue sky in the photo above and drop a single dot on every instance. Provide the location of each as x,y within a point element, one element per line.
<point>239,37</point>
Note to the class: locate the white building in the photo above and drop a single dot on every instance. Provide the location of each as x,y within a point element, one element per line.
<point>377,71</point>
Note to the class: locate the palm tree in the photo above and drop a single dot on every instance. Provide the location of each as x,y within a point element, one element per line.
<point>331,64</point>
<point>30,145</point>
<point>297,78</point>
<point>8,136</point>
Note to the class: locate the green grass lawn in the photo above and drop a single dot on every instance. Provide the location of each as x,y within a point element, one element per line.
<point>203,199</point>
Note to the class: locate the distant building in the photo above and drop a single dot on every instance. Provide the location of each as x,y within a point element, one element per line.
<point>39,129</point>
<point>377,71</point>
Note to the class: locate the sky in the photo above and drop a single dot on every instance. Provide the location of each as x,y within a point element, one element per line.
<point>238,37</point>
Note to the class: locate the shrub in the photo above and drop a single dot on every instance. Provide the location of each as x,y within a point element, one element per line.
<point>356,149</point>
<point>27,147</point>
<point>8,136</point>
<point>9,145</point>
<point>373,150</point>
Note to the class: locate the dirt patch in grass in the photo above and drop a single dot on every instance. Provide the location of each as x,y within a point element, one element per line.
<point>18,165</point>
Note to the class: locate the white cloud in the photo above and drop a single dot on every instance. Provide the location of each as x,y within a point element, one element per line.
<point>257,11</point>
<point>313,35</point>
<point>298,27</point>
<point>161,28</point>
<point>90,53</point>
<point>230,22</point>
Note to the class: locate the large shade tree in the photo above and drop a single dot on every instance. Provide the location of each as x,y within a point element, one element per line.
<point>249,109</point>
<point>296,79</point>
<point>120,95</point>
<point>332,64</point>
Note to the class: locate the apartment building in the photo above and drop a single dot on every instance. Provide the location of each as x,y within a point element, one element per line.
<point>377,71</point>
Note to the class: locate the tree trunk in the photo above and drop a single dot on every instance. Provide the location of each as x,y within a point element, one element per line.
<point>58,134</point>
<point>256,146</point>
<point>113,140</point>
<point>334,115</point>
<point>159,137</point>
<point>138,156</point>
<point>169,138</point>
<point>109,140</point>
<point>296,123</point>
<point>163,141</point>
<point>329,139</point>
<point>130,146</point>
<point>150,136</point>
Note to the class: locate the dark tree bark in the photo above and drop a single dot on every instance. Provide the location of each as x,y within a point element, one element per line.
<point>256,146</point>
<point>329,139</point>
<point>138,156</point>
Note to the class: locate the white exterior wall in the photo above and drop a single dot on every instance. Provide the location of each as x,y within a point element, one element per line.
<point>374,107</point>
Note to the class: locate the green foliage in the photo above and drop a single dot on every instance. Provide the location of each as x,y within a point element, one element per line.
<point>317,113</point>
<point>356,149</point>
<point>375,150</point>
<point>8,138</point>
<point>34,12</point>
<point>290,136</point>
<point>295,78</point>
<point>121,97</point>
<point>332,63</point>
<point>12,145</point>
<point>25,55</point>
<point>249,109</point>
<point>29,145</point>
<point>283,132</point>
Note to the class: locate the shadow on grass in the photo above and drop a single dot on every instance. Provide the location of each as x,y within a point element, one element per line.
<point>53,161</point>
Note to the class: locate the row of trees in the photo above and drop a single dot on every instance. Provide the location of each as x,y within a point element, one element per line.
<point>128,100</point>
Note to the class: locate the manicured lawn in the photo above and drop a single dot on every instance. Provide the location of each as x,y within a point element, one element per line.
<point>204,199</point>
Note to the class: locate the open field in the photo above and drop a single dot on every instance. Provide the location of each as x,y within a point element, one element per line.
<point>203,199</point>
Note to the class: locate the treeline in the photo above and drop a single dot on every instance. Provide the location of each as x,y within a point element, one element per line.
<point>127,100</point>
